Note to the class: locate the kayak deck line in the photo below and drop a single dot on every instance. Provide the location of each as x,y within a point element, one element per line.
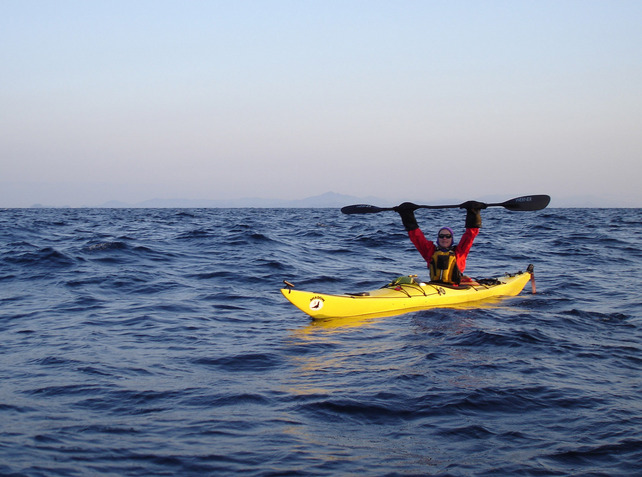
<point>435,285</point>
<point>404,295</point>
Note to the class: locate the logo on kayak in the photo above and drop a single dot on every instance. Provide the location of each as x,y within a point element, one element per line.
<point>316,303</point>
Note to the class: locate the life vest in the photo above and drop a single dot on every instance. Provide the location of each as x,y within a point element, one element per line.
<point>443,267</point>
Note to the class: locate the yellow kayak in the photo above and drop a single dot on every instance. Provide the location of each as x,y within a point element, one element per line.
<point>403,295</point>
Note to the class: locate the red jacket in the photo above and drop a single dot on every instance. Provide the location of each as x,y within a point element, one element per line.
<point>427,247</point>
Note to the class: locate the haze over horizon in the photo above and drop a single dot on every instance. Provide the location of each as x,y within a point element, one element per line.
<point>326,200</point>
<point>418,101</point>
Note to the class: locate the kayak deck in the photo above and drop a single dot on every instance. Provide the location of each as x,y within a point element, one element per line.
<point>403,295</point>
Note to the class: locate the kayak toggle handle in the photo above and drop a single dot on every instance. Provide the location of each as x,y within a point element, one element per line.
<point>289,285</point>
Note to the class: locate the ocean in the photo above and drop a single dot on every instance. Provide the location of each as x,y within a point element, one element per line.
<point>149,342</point>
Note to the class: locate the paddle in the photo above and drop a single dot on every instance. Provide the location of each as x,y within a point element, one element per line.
<point>524,203</point>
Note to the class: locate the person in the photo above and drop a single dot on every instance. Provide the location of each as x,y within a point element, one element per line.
<point>446,260</point>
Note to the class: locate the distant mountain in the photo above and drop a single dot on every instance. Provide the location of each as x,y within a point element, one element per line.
<point>327,200</point>
<point>334,200</point>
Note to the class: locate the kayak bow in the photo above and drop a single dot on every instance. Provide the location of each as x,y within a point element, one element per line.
<point>403,295</point>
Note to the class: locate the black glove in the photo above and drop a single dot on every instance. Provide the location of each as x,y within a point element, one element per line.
<point>473,219</point>
<point>407,213</point>
<point>473,214</point>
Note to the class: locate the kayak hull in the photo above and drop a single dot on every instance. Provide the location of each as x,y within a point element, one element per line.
<point>396,299</point>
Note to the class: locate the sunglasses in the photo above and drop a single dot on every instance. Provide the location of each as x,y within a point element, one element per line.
<point>445,236</point>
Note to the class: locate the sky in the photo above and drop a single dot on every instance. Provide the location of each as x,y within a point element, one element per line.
<point>403,100</point>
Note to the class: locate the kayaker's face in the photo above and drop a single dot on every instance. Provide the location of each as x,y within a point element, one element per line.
<point>445,238</point>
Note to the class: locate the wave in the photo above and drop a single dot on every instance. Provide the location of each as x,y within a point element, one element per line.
<point>44,257</point>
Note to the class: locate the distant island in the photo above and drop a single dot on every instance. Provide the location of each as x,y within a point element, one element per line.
<point>334,200</point>
<point>327,200</point>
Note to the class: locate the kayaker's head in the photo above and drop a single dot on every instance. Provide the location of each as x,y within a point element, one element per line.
<point>445,238</point>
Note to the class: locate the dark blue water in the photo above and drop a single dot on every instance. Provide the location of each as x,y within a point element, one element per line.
<point>156,342</point>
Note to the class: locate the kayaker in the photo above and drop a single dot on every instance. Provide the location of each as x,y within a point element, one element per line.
<point>446,260</point>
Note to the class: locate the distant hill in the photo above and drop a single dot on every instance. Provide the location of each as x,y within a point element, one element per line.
<point>327,200</point>
<point>334,200</point>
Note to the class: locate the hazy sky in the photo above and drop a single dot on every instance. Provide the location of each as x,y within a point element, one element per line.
<point>407,100</point>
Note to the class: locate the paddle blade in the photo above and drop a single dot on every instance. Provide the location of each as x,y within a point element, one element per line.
<point>362,209</point>
<point>527,202</point>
